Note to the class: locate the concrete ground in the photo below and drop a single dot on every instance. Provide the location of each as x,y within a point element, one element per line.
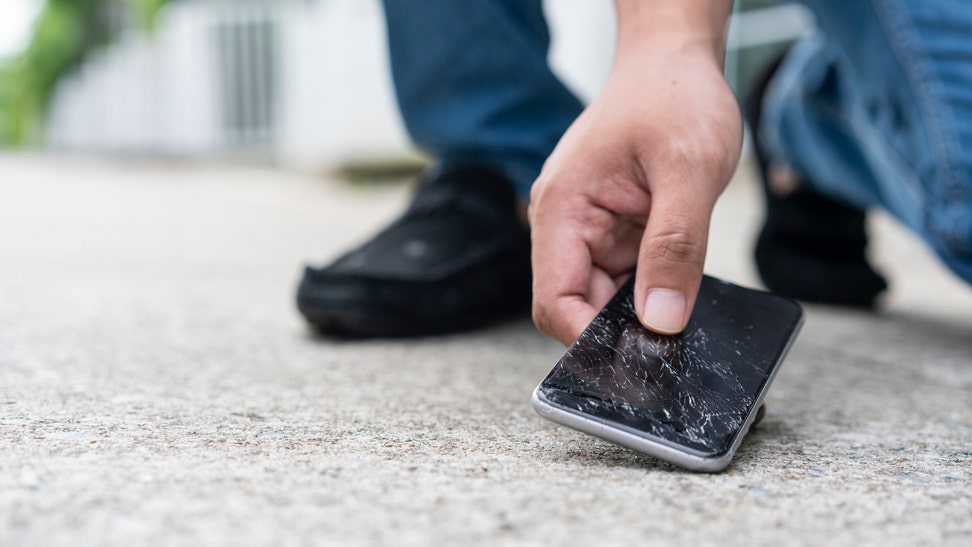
<point>158,388</point>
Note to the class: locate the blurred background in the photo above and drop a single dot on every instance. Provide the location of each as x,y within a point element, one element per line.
<point>302,84</point>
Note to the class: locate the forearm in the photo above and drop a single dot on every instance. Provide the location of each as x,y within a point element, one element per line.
<point>686,25</point>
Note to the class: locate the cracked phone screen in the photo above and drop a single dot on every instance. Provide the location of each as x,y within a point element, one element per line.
<point>693,390</point>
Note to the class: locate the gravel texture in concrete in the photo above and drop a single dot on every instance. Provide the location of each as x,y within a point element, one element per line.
<point>158,388</point>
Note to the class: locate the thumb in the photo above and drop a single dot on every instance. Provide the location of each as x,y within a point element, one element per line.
<point>670,261</point>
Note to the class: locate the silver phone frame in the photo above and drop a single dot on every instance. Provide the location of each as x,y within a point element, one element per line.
<point>664,450</point>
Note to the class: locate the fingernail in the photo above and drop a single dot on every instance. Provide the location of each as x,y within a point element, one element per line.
<point>664,311</point>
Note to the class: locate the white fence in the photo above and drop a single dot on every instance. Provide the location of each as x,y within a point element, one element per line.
<point>303,82</point>
<point>282,78</point>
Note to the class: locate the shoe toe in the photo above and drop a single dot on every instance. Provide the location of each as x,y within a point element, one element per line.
<point>458,258</point>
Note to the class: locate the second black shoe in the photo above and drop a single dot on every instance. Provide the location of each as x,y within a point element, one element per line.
<point>811,247</point>
<point>459,258</point>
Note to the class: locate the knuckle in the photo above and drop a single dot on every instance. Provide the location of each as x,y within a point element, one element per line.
<point>534,195</point>
<point>675,245</point>
<point>537,190</point>
<point>541,316</point>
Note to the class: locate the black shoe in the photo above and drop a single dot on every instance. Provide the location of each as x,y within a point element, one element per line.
<point>811,247</point>
<point>459,258</point>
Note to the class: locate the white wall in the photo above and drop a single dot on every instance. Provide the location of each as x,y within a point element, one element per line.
<point>162,95</point>
<point>583,43</point>
<point>143,94</point>
<point>335,102</point>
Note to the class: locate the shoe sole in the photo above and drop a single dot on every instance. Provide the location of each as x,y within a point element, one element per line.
<point>359,324</point>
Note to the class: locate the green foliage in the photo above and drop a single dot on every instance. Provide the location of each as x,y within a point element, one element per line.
<point>147,12</point>
<point>64,33</point>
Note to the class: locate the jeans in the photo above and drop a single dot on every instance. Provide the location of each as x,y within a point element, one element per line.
<point>875,109</point>
<point>473,84</point>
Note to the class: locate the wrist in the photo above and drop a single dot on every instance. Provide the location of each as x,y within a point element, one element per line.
<point>695,27</point>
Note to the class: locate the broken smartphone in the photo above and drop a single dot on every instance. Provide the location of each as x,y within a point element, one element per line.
<point>688,399</point>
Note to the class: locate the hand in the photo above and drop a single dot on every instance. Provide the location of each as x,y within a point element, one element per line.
<point>633,183</point>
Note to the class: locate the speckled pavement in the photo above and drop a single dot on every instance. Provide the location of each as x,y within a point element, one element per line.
<point>158,388</point>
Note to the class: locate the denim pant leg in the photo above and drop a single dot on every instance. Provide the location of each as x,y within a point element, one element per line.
<point>876,109</point>
<point>473,83</point>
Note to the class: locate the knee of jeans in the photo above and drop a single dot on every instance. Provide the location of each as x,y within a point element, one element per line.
<point>950,229</point>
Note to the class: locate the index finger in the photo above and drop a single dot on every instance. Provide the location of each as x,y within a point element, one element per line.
<point>566,285</point>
